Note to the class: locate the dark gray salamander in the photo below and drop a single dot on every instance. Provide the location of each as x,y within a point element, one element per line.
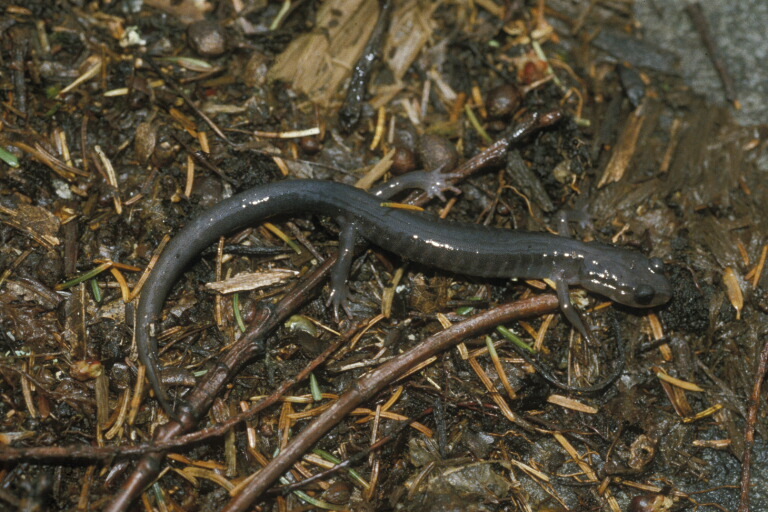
<point>622,275</point>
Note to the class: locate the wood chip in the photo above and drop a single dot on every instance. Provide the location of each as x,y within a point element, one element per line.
<point>411,29</point>
<point>246,281</point>
<point>688,386</point>
<point>625,149</point>
<point>318,63</point>
<point>732,286</point>
<point>570,403</point>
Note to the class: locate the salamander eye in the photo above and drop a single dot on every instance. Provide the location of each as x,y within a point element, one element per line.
<point>657,265</point>
<point>644,294</point>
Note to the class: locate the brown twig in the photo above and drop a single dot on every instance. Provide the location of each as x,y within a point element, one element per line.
<point>749,430</point>
<point>356,457</point>
<point>200,398</point>
<point>496,154</point>
<point>91,453</point>
<point>696,13</point>
<point>373,382</point>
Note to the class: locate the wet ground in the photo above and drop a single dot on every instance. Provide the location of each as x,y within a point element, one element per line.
<point>122,120</point>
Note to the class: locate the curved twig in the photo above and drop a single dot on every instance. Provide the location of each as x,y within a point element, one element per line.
<point>378,379</point>
<point>749,430</point>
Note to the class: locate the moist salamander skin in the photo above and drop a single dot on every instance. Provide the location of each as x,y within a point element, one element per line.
<point>622,275</point>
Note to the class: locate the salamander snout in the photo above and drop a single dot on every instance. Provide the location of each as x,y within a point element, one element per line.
<point>626,277</point>
<point>648,285</point>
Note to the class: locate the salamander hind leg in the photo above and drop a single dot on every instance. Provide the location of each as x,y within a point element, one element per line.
<point>437,182</point>
<point>339,297</point>
<point>434,183</point>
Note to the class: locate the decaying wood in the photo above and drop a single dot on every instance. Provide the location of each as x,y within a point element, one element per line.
<point>318,63</point>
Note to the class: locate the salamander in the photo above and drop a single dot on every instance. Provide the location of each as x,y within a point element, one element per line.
<point>623,275</point>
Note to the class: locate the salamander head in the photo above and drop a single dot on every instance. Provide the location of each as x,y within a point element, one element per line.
<point>627,277</point>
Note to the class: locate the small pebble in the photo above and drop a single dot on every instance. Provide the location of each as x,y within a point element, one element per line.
<point>256,70</point>
<point>207,38</point>
<point>403,161</point>
<point>310,145</point>
<point>503,100</point>
<point>437,151</point>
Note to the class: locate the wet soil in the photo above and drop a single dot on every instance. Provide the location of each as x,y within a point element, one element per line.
<point>122,120</point>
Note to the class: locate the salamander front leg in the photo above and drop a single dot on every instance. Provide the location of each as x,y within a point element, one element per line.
<point>569,311</point>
